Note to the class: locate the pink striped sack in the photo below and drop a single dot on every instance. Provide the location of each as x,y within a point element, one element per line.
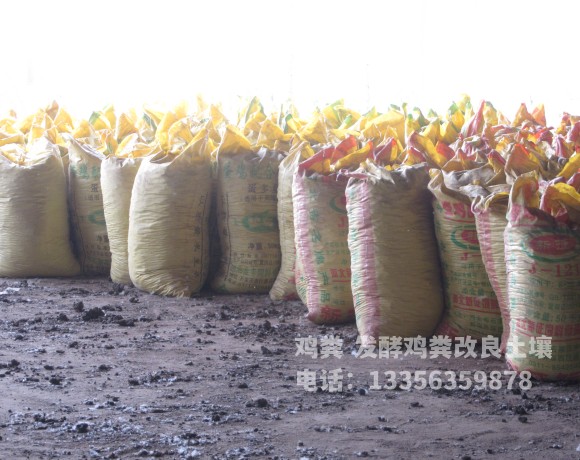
<point>542,251</point>
<point>396,278</point>
<point>322,257</point>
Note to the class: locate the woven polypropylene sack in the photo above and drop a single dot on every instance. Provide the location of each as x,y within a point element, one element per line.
<point>323,273</point>
<point>34,226</point>
<point>396,276</point>
<point>89,229</point>
<point>247,222</point>
<point>471,306</point>
<point>284,287</point>
<point>490,220</point>
<point>543,283</point>
<point>117,178</point>
<point>168,225</point>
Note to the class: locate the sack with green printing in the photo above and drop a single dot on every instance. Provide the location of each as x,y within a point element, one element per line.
<point>542,252</point>
<point>247,223</point>
<point>471,306</point>
<point>89,229</point>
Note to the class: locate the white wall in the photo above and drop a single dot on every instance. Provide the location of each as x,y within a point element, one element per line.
<point>86,54</point>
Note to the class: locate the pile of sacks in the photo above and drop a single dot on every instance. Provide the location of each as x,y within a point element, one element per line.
<point>456,224</point>
<point>136,194</point>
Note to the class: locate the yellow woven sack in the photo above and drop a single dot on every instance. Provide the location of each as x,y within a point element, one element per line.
<point>246,216</point>
<point>284,287</point>
<point>168,222</point>
<point>117,177</point>
<point>34,226</point>
<point>393,251</point>
<point>90,238</point>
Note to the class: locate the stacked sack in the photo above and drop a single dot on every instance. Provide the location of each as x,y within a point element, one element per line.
<point>321,209</point>
<point>34,225</point>
<point>542,250</point>
<point>168,233</point>
<point>247,159</point>
<point>390,220</point>
<point>323,268</point>
<point>34,214</point>
<point>284,287</point>
<point>118,172</point>
<point>88,145</point>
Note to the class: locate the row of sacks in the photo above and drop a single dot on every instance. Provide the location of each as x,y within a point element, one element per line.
<point>156,219</point>
<point>101,158</point>
<point>358,244</point>
<point>413,250</point>
<point>149,206</point>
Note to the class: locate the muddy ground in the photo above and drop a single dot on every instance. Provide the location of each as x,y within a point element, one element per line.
<point>90,369</point>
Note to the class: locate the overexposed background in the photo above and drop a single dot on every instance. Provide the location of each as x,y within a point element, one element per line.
<point>425,52</point>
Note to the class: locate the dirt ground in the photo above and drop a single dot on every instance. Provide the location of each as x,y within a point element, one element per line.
<point>90,369</point>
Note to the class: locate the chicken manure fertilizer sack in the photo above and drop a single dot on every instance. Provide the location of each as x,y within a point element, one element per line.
<point>168,239</point>
<point>284,287</point>
<point>490,219</point>
<point>323,266</point>
<point>89,229</point>
<point>118,174</point>
<point>472,307</point>
<point>246,215</point>
<point>396,278</point>
<point>542,251</point>
<point>34,225</point>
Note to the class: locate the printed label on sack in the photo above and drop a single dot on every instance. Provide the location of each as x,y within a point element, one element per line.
<point>551,248</point>
<point>465,237</point>
<point>97,217</point>
<point>262,222</point>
